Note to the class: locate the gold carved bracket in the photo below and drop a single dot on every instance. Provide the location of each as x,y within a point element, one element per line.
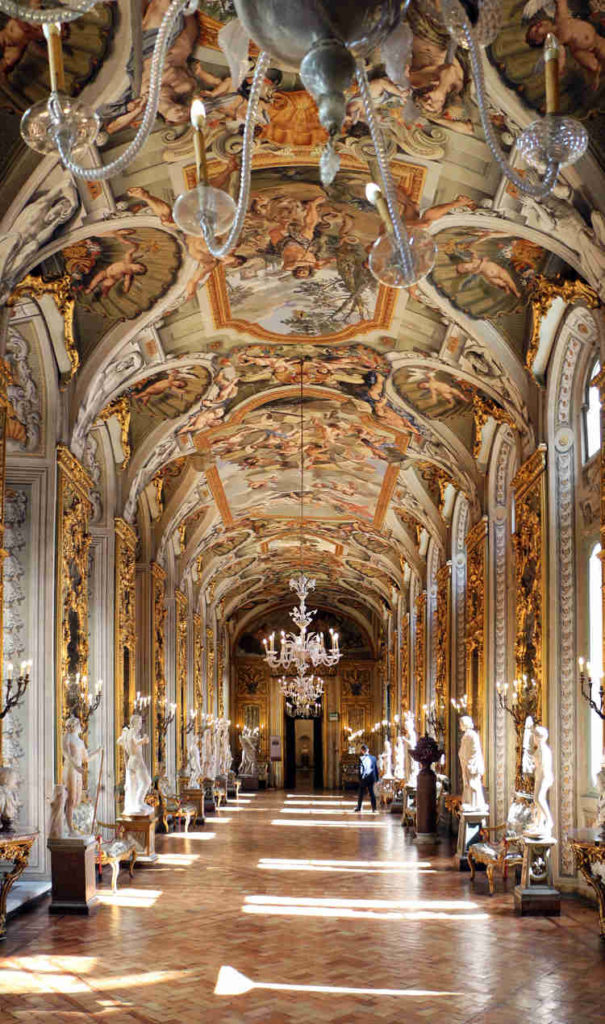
<point>543,294</point>
<point>60,289</point>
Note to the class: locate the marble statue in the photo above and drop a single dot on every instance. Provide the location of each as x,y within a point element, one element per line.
<point>600,822</point>
<point>208,765</point>
<point>194,766</point>
<point>225,749</point>
<point>400,758</point>
<point>387,759</point>
<point>472,765</point>
<point>9,802</point>
<point>411,739</point>
<point>527,757</point>
<point>542,823</point>
<point>74,756</point>
<point>138,779</point>
<point>57,826</point>
<point>248,764</point>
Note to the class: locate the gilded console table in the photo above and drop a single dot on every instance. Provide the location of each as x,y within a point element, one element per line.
<point>588,845</point>
<point>15,848</point>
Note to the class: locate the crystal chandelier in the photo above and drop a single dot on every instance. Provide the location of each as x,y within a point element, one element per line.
<point>300,651</point>
<point>303,693</point>
<point>326,41</point>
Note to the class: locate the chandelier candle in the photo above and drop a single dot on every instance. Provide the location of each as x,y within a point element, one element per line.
<point>52,33</point>
<point>551,73</point>
<point>198,120</point>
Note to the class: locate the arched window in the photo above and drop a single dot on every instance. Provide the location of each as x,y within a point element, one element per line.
<point>592,414</point>
<point>595,617</point>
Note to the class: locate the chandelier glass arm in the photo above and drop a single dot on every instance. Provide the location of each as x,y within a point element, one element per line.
<point>220,250</point>
<point>177,7</point>
<point>390,193</point>
<point>49,15</point>
<point>541,189</point>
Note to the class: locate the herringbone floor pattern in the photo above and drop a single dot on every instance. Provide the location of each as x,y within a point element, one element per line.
<point>267,917</point>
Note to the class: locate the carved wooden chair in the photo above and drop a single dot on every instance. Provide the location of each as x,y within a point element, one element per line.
<point>171,807</point>
<point>234,784</point>
<point>219,791</point>
<point>408,815</point>
<point>114,851</point>
<point>505,850</point>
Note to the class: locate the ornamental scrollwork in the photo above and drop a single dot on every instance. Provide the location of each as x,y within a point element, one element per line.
<point>528,545</point>
<point>182,630</point>
<point>210,668</point>
<point>442,644</point>
<point>420,651</point>
<point>543,293</point>
<point>405,663</point>
<point>198,654</point>
<point>120,408</point>
<point>73,545</point>
<point>125,629</point>
<point>475,622</point>
<point>60,289</point>
<point>158,679</point>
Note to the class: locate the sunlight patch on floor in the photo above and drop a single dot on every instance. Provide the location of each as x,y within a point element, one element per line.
<point>231,982</point>
<point>330,824</point>
<point>178,859</point>
<point>128,897</point>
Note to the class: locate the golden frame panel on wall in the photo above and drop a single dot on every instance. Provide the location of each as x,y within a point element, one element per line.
<point>74,510</point>
<point>476,625</point>
<point>210,669</point>
<point>182,630</point>
<point>420,658</point>
<point>158,661</point>
<point>4,405</point>
<point>405,663</point>
<point>442,646</point>
<point>198,653</point>
<point>220,669</point>
<point>529,545</point>
<point>125,632</point>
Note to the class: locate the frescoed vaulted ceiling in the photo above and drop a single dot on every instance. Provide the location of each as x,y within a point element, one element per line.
<point>195,369</point>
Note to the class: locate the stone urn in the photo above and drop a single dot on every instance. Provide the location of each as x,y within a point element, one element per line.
<point>426,752</point>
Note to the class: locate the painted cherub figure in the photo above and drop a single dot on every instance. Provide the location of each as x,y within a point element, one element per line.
<point>124,270</point>
<point>585,44</point>
<point>492,272</point>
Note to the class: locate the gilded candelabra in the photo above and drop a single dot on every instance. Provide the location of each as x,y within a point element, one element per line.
<point>434,719</point>
<point>79,702</point>
<point>586,689</point>
<point>140,705</point>
<point>523,704</point>
<point>166,715</point>
<point>192,723</point>
<point>15,688</point>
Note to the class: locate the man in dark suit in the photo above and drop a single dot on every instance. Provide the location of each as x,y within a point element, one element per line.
<point>368,775</point>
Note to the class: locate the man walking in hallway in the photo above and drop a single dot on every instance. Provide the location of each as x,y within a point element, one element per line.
<point>368,775</point>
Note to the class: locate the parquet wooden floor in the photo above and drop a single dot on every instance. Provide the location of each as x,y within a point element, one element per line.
<point>312,915</point>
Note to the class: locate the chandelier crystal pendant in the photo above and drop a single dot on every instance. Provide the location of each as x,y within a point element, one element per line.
<point>326,41</point>
<point>303,693</point>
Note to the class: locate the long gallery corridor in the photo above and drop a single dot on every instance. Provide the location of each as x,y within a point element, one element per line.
<point>290,908</point>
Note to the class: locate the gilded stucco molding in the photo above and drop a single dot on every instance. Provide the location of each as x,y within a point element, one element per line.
<point>476,623</point>
<point>125,631</point>
<point>74,510</point>
<point>543,294</point>
<point>420,656</point>
<point>182,640</point>
<point>60,290</point>
<point>158,661</point>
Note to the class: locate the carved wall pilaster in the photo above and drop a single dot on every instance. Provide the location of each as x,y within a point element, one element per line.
<point>529,543</point>
<point>158,663</point>
<point>405,664</point>
<point>420,657</point>
<point>210,691</point>
<point>220,671</point>
<point>476,623</point>
<point>4,404</point>
<point>125,632</point>
<point>181,674</point>
<point>74,510</point>
<point>442,646</point>
<point>198,654</point>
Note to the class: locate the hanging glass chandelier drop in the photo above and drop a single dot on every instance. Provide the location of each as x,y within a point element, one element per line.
<point>304,650</point>
<point>326,41</point>
<point>303,693</point>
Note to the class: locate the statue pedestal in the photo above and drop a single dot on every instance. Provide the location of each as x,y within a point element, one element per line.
<point>426,807</point>
<point>536,894</point>
<point>195,797</point>
<point>249,783</point>
<point>74,889</point>
<point>469,825</point>
<point>142,829</point>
